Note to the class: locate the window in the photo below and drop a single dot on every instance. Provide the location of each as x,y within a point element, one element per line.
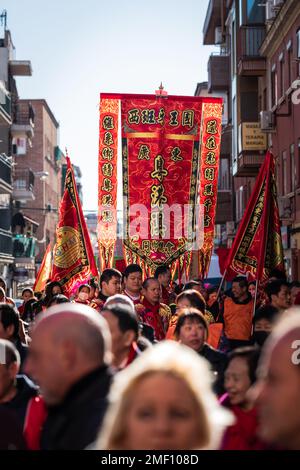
<point>298,49</point>
<point>233,49</point>
<point>292,168</point>
<point>290,62</point>
<point>20,184</point>
<point>252,12</point>
<point>282,84</point>
<point>274,89</point>
<point>284,174</point>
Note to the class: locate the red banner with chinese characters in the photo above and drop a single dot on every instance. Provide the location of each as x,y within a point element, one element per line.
<point>107,185</point>
<point>163,155</point>
<point>211,127</point>
<point>73,258</point>
<point>257,247</point>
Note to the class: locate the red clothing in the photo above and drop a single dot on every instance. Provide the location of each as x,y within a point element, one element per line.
<point>21,309</point>
<point>36,415</point>
<point>165,295</point>
<point>150,315</point>
<point>136,301</point>
<point>243,434</point>
<point>238,319</point>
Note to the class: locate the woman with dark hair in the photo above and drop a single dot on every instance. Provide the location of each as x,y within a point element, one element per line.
<point>240,375</point>
<point>52,288</point>
<point>187,299</point>
<point>58,299</point>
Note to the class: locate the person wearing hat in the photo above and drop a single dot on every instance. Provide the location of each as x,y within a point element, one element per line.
<point>192,331</point>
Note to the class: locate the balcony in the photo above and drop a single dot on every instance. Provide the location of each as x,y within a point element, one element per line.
<point>250,62</point>
<point>23,124</point>
<point>5,175</point>
<point>5,107</point>
<point>212,21</point>
<point>23,246</point>
<point>247,164</point>
<point>5,246</point>
<point>20,68</point>
<point>218,69</point>
<point>23,185</point>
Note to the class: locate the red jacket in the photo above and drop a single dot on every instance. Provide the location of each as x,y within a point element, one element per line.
<point>243,434</point>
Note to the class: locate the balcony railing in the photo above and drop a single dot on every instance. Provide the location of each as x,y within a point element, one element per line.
<point>5,107</point>
<point>5,170</point>
<point>23,247</point>
<point>5,242</point>
<point>23,184</point>
<point>24,115</point>
<point>250,40</point>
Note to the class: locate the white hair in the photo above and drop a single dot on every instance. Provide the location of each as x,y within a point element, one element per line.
<point>120,298</point>
<point>180,361</point>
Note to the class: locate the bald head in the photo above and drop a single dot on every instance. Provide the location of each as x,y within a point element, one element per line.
<point>277,389</point>
<point>68,342</point>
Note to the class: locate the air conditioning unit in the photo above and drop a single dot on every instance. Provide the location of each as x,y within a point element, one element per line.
<point>270,12</point>
<point>218,35</point>
<point>285,208</point>
<point>267,121</point>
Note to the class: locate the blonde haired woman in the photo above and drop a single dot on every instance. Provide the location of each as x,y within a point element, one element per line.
<point>164,401</point>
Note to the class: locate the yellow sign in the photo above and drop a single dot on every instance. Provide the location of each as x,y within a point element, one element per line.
<point>252,136</point>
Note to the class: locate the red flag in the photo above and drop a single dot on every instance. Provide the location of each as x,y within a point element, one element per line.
<point>257,248</point>
<point>73,258</point>
<point>222,255</point>
<point>44,272</point>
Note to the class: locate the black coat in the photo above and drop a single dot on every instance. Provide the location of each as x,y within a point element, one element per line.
<point>218,363</point>
<point>75,423</point>
<point>26,390</point>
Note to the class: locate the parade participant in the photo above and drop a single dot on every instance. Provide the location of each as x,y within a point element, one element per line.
<point>192,331</point>
<point>110,284</point>
<point>27,294</point>
<point>3,284</point>
<point>263,321</point>
<point>155,313</point>
<point>159,403</point>
<point>198,286</point>
<point>124,329</point>
<point>58,299</point>
<point>277,389</point>
<point>68,358</point>
<point>188,298</point>
<point>9,329</point>
<point>52,288</point>
<point>278,293</point>
<point>82,296</point>
<point>19,395</point>
<point>238,314</point>
<point>252,289</point>
<point>133,278</point>
<point>294,290</point>
<point>163,275</point>
<point>240,375</point>
<point>212,304</point>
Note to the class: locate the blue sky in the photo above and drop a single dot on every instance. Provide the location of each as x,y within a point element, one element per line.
<point>79,49</point>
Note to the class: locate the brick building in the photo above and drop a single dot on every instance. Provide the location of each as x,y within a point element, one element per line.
<point>44,159</point>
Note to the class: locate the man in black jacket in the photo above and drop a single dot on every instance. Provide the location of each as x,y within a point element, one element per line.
<point>69,357</point>
<point>192,331</point>
<point>9,329</point>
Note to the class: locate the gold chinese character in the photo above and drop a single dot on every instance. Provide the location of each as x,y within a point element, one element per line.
<point>133,116</point>
<point>209,174</point>
<point>146,247</point>
<point>207,220</point>
<point>161,116</point>
<point>211,127</point>
<point>107,216</point>
<point>144,153</point>
<point>188,118</point>
<point>176,154</point>
<point>107,200</point>
<point>107,185</point>
<point>208,190</point>
<point>107,169</point>
<point>207,204</point>
<point>107,153</point>
<point>174,118</point>
<point>210,158</point>
<point>108,122</point>
<point>108,138</point>
<point>157,195</point>
<point>211,143</point>
<point>159,171</point>
<point>148,116</point>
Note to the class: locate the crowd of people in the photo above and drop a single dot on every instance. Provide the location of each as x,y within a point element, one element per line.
<point>131,363</point>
